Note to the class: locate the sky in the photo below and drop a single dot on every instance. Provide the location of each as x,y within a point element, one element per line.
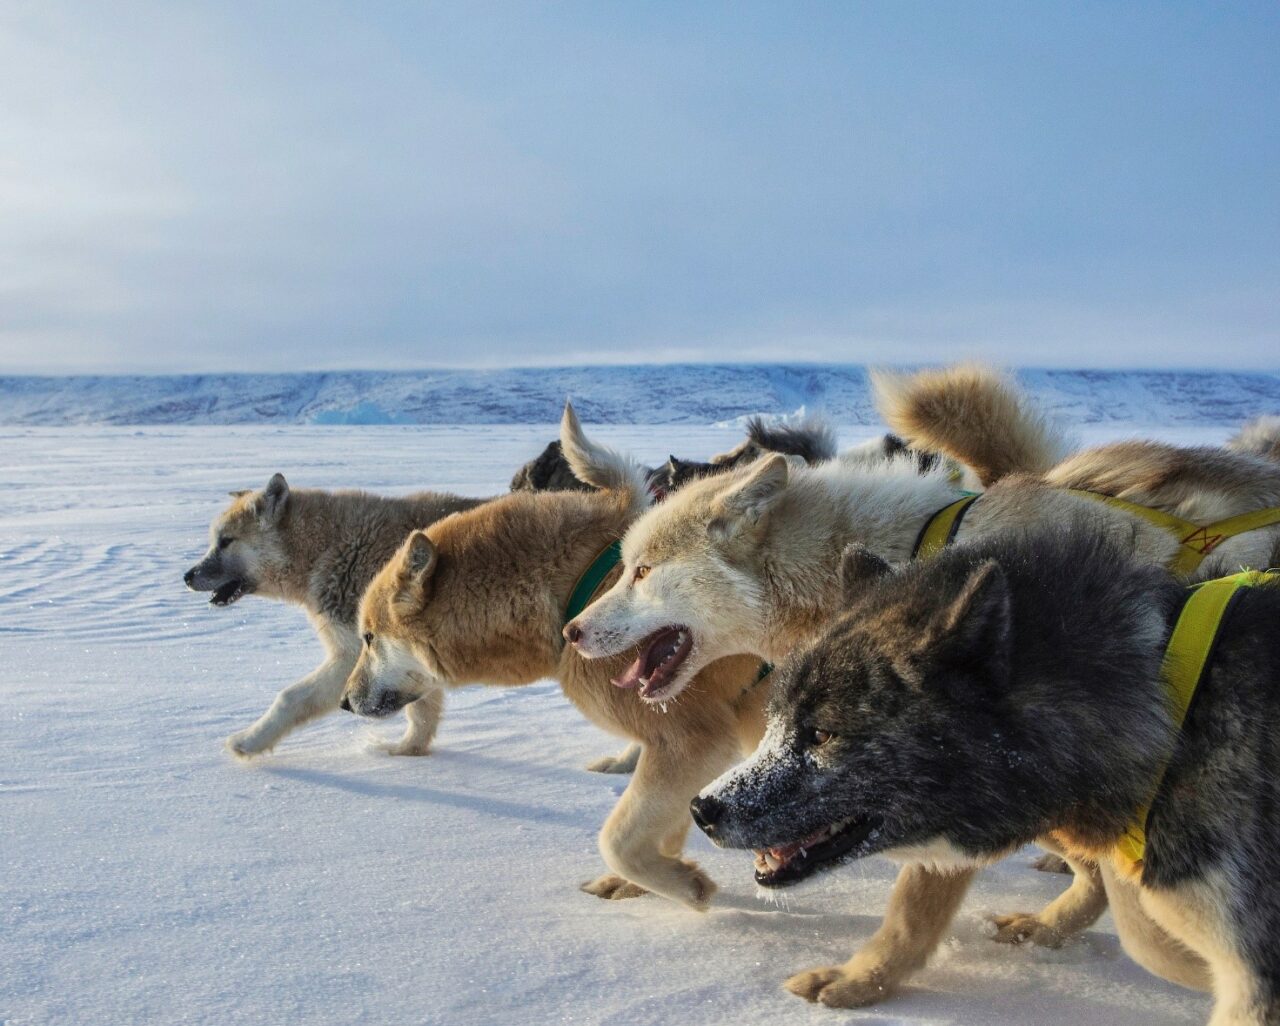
<point>197,186</point>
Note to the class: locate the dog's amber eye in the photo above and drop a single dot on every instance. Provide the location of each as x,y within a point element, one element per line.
<point>224,541</point>
<point>817,738</point>
<point>368,638</point>
<point>642,572</point>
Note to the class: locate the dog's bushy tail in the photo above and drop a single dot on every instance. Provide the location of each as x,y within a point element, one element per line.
<point>598,465</point>
<point>1260,436</point>
<point>973,414</point>
<point>812,439</point>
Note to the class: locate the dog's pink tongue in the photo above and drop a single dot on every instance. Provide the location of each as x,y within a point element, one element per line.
<point>630,677</point>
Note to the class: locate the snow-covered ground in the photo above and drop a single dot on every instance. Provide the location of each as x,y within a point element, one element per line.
<point>146,877</point>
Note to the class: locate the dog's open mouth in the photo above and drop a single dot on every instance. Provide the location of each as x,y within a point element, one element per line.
<point>661,654</point>
<point>225,594</point>
<point>789,863</point>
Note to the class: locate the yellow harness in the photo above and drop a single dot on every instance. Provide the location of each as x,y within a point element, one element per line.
<point>941,528</point>
<point>1192,642</point>
<point>1196,540</point>
<point>1186,657</point>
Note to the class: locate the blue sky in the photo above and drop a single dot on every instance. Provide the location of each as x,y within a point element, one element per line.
<point>201,186</point>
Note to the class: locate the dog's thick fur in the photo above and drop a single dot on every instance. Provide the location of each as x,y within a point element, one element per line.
<point>319,550</point>
<point>1261,437</point>
<point>548,472</point>
<point>973,414</point>
<point>980,418</point>
<point>813,440</point>
<point>741,564</point>
<point>965,706</point>
<point>480,598</point>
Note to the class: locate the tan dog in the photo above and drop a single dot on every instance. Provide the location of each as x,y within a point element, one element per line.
<point>479,598</point>
<point>743,564</point>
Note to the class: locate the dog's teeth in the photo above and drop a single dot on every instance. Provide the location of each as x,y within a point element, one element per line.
<point>771,861</point>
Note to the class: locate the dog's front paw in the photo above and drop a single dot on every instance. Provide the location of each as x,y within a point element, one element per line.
<point>836,987</point>
<point>612,888</point>
<point>699,887</point>
<point>1021,927</point>
<point>243,745</point>
<point>624,763</point>
<point>405,746</point>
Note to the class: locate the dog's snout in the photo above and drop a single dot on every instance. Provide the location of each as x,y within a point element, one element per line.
<point>189,577</point>
<point>573,633</point>
<point>345,704</point>
<point>706,811</point>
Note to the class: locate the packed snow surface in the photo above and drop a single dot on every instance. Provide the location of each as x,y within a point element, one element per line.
<point>150,878</point>
<point>691,394</point>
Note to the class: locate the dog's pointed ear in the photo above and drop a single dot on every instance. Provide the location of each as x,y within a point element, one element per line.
<point>274,498</point>
<point>422,555</point>
<point>859,567</point>
<point>418,562</point>
<point>748,501</point>
<point>972,630</point>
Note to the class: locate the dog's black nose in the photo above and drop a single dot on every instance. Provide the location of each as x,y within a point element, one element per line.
<point>574,633</point>
<point>706,812</point>
<point>345,704</point>
<point>189,576</point>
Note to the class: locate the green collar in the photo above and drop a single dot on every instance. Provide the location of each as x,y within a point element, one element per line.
<point>591,579</point>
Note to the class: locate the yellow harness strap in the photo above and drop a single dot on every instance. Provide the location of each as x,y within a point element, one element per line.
<point>940,528</point>
<point>1185,659</point>
<point>1197,540</point>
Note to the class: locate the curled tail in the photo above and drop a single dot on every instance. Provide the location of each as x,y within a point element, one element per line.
<point>598,465</point>
<point>973,414</point>
<point>1260,436</point>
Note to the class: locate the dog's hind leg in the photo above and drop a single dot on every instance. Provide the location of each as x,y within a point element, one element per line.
<point>921,907</point>
<point>624,762</point>
<point>316,694</point>
<point>1075,909</point>
<point>1147,942</point>
<point>421,720</point>
<point>653,810</point>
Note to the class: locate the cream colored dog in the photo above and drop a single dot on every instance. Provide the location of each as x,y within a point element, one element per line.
<point>743,564</point>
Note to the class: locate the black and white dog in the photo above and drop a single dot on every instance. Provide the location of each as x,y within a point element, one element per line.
<point>1011,689</point>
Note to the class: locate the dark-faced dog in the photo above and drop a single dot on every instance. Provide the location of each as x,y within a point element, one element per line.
<point>1012,689</point>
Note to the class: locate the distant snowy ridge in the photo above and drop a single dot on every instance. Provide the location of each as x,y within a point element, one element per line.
<point>656,394</point>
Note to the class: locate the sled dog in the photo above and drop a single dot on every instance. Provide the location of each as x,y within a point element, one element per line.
<point>480,598</point>
<point>1027,683</point>
<point>741,564</point>
<point>813,440</point>
<point>319,550</point>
